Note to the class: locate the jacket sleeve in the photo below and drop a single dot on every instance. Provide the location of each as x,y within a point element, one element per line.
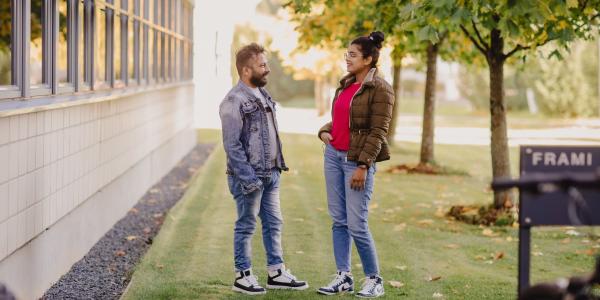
<point>325,128</point>
<point>231,124</point>
<point>382,106</point>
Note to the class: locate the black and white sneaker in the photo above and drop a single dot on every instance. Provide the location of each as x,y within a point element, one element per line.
<point>247,283</point>
<point>372,288</point>
<point>342,283</point>
<point>283,279</point>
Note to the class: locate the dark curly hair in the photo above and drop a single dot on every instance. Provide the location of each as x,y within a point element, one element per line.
<point>370,45</point>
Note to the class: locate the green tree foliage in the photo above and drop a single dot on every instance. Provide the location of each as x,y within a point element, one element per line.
<point>502,30</point>
<point>567,88</point>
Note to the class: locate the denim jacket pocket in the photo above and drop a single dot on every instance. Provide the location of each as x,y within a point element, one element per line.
<point>249,107</point>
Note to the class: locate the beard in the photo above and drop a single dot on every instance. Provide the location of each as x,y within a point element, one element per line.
<point>258,79</point>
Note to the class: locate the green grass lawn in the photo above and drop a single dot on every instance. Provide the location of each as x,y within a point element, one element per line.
<point>191,257</point>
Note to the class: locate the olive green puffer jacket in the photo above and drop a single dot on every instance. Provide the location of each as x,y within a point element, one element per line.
<point>370,116</point>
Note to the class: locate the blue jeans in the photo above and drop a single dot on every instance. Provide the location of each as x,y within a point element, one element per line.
<point>263,202</point>
<point>349,210</point>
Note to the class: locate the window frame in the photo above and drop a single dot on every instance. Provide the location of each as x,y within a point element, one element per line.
<point>166,25</point>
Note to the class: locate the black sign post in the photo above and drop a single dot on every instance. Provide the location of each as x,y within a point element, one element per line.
<point>551,208</point>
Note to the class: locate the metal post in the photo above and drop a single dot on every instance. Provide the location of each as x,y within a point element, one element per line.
<point>524,258</point>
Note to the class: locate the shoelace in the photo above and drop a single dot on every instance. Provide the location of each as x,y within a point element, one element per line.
<point>368,285</point>
<point>252,280</point>
<point>288,273</point>
<point>339,279</point>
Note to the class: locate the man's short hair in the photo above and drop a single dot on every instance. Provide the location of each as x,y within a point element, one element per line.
<point>245,54</point>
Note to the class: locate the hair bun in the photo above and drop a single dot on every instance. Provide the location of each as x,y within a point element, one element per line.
<point>377,37</point>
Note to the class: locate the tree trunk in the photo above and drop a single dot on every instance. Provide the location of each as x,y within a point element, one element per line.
<point>427,134</point>
<point>499,135</point>
<point>397,69</point>
<point>320,96</point>
<point>598,38</point>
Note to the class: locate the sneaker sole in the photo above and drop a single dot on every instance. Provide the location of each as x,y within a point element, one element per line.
<point>237,289</point>
<point>285,287</point>
<point>332,294</point>
<point>361,296</point>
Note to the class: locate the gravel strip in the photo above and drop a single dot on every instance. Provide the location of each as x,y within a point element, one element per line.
<point>106,270</point>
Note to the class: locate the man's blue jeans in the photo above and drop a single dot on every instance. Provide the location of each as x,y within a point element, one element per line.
<point>349,210</point>
<point>264,203</point>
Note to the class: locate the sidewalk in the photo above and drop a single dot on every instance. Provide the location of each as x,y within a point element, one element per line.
<point>576,132</point>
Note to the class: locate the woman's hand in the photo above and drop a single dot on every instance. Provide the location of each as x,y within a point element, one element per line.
<point>326,137</point>
<point>357,182</point>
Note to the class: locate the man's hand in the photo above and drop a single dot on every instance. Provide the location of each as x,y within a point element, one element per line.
<point>326,137</point>
<point>357,182</point>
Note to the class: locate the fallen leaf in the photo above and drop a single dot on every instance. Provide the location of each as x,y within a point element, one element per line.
<point>452,246</point>
<point>299,252</point>
<point>437,295</point>
<point>401,268</point>
<point>320,209</point>
<point>425,222</point>
<point>509,239</point>
<point>537,253</point>
<point>120,253</point>
<point>572,232</point>
<point>131,237</point>
<point>585,241</point>
<point>157,215</point>
<point>499,255</point>
<point>489,262</point>
<point>373,205</point>
<point>160,266</point>
<point>147,230</point>
<point>488,232</point>
<point>480,257</point>
<point>396,284</point>
<point>154,191</point>
<point>134,210</point>
<point>400,227</point>
<point>433,278</point>
<point>440,212</point>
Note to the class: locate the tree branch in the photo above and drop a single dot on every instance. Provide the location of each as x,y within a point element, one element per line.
<point>520,47</point>
<point>466,32</point>
<point>486,46</point>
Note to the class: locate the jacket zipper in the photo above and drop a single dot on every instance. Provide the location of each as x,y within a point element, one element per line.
<point>351,100</point>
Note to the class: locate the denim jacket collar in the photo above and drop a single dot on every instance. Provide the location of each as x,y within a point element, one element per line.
<point>250,94</point>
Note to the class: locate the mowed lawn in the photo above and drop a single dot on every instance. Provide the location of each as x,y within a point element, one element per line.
<point>426,254</point>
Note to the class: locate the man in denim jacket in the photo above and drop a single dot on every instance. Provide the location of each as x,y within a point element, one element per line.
<point>254,164</point>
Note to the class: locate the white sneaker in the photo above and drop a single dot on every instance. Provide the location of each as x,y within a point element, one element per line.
<point>247,283</point>
<point>282,278</point>
<point>372,288</point>
<point>342,283</point>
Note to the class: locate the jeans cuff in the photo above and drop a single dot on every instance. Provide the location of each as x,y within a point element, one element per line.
<point>274,267</point>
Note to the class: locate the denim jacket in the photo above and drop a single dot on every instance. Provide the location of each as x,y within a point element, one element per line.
<point>246,136</point>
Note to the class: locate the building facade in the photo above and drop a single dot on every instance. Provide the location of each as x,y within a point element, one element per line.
<point>96,102</point>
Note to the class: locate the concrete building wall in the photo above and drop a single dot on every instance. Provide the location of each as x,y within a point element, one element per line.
<point>68,172</point>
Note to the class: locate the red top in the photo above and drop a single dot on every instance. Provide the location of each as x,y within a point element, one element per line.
<point>341,118</point>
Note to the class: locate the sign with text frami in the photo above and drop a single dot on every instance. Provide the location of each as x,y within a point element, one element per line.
<point>558,207</point>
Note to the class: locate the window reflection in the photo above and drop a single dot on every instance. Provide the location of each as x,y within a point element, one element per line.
<point>117,47</point>
<point>100,44</point>
<point>61,57</point>
<point>5,42</point>
<point>36,53</point>
<point>130,48</point>
<point>83,77</point>
<point>151,54</point>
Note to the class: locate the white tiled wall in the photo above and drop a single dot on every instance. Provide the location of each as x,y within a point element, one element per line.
<point>52,161</point>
